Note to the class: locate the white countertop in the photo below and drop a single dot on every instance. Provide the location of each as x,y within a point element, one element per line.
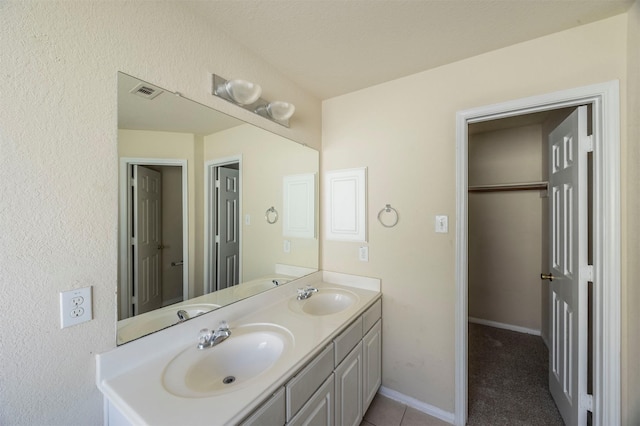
<point>130,376</point>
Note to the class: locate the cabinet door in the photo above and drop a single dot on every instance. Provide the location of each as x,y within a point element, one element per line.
<point>269,413</point>
<point>372,363</point>
<point>320,409</point>
<point>349,397</point>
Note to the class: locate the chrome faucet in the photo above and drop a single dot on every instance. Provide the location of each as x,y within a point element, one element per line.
<point>183,315</point>
<point>307,292</point>
<point>209,339</point>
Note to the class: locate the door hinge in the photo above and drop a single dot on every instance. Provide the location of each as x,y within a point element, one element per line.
<point>587,402</point>
<point>588,143</point>
<point>587,273</point>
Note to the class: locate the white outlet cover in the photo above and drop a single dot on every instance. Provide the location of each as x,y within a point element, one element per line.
<point>75,307</point>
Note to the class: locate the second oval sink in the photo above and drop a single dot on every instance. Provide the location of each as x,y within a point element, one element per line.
<point>326,301</point>
<point>251,351</point>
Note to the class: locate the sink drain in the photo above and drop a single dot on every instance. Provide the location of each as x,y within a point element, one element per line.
<point>228,380</point>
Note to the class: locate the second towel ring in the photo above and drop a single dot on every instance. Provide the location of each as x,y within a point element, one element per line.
<point>271,212</point>
<point>388,209</point>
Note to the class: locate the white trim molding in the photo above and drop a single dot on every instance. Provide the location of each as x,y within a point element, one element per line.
<point>504,326</point>
<point>418,405</point>
<point>605,99</point>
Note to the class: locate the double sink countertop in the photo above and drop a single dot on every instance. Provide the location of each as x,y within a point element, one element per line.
<point>132,376</point>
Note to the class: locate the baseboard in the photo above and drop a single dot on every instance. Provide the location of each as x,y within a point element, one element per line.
<point>418,405</point>
<point>504,326</point>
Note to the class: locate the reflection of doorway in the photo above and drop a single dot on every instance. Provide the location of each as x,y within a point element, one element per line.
<point>223,193</point>
<point>604,402</point>
<point>153,235</point>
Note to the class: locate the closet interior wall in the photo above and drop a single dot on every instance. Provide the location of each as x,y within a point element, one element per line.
<point>507,230</point>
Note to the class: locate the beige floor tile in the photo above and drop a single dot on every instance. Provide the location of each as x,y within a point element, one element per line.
<point>385,412</point>
<point>366,423</point>
<point>413,417</point>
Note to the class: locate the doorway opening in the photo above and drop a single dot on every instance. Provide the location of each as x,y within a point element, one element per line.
<point>223,230</point>
<point>154,235</point>
<point>508,303</point>
<point>604,402</point>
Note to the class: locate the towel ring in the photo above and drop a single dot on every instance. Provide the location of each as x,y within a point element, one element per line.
<point>388,209</point>
<point>271,212</point>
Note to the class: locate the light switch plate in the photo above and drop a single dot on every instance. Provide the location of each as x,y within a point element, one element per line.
<point>75,307</point>
<point>442,224</point>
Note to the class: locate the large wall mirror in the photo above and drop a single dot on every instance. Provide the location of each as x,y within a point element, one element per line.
<point>211,209</point>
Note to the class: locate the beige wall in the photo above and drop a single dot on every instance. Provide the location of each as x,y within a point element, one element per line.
<point>58,175</point>
<point>505,228</point>
<point>404,132</point>
<point>631,230</point>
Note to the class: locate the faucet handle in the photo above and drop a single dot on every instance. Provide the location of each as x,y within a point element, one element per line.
<point>223,326</point>
<point>204,336</point>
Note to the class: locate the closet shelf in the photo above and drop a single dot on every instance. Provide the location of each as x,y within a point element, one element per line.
<point>525,186</point>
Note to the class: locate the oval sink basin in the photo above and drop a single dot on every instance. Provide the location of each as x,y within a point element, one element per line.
<point>251,351</point>
<point>326,301</point>
<point>147,323</point>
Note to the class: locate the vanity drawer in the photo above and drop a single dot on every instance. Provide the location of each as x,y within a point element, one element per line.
<point>347,340</point>
<point>319,410</point>
<point>308,380</point>
<point>271,412</point>
<point>371,316</point>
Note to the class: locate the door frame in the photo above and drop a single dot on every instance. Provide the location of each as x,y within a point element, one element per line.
<point>209,172</point>
<point>124,220</point>
<point>605,99</point>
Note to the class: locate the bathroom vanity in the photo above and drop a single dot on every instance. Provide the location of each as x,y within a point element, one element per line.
<point>286,361</point>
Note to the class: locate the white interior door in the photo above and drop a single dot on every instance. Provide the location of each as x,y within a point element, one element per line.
<point>569,265</point>
<point>228,228</point>
<point>146,238</point>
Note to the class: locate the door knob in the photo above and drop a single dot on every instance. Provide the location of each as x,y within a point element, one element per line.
<point>548,276</point>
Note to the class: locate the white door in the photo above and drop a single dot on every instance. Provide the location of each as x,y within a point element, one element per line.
<point>228,228</point>
<point>147,284</point>
<point>569,265</point>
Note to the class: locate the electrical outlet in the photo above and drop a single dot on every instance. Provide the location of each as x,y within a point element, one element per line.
<point>287,246</point>
<point>363,254</point>
<point>75,307</point>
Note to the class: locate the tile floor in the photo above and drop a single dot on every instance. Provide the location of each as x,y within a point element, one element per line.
<point>384,411</point>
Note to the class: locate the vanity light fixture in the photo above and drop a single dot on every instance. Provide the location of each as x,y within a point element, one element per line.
<point>242,92</point>
<point>247,95</point>
<point>278,110</point>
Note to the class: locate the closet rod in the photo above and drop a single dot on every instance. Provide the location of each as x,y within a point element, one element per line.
<point>529,186</point>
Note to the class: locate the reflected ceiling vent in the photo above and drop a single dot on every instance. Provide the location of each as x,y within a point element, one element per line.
<point>146,91</point>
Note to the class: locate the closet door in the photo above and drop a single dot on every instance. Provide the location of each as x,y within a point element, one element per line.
<point>568,262</point>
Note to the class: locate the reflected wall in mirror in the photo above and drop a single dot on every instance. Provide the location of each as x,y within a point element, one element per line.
<point>195,227</point>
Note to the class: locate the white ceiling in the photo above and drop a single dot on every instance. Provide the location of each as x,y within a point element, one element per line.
<point>332,47</point>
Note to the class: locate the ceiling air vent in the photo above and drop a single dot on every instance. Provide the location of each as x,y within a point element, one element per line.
<point>146,91</point>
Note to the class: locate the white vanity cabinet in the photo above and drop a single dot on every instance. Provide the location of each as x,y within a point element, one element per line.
<point>271,412</point>
<point>349,386</point>
<point>371,363</point>
<point>337,385</point>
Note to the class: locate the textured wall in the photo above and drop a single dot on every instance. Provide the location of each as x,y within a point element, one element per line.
<point>58,176</point>
<point>404,132</point>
